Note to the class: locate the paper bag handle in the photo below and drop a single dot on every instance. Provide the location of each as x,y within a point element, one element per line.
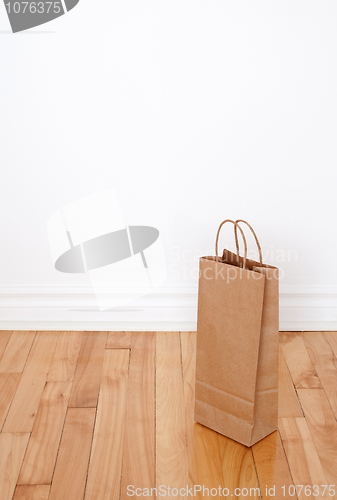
<point>236,241</point>
<point>252,230</point>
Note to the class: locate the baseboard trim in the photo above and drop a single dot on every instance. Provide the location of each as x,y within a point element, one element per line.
<point>302,308</point>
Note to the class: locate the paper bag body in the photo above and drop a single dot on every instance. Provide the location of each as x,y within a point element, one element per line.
<point>237,348</point>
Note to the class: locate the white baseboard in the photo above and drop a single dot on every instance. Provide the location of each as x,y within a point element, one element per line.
<point>302,308</point>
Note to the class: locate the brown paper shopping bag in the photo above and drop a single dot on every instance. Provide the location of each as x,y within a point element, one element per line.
<point>236,392</point>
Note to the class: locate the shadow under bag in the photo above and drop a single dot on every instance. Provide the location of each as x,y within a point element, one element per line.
<point>236,391</point>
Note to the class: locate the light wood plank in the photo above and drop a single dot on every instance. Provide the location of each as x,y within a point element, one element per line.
<point>107,448</point>
<point>305,466</point>
<point>65,357</point>
<point>182,447</point>
<point>171,449</point>
<point>39,462</point>
<point>42,352</point>
<point>188,353</point>
<point>139,443</point>
<point>332,339</point>
<point>88,370</point>
<point>301,369</point>
<point>119,340</point>
<point>272,467</point>
<point>73,458</point>
<point>288,404</point>
<point>207,462</point>
<point>12,450</point>
<point>304,463</point>
<point>32,492</point>
<point>323,429</point>
<point>14,358</point>
<point>22,413</point>
<point>5,335</point>
<point>8,385</point>
<point>238,468</point>
<point>325,363</point>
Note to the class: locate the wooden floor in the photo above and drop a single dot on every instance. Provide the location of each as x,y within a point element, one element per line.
<point>87,415</point>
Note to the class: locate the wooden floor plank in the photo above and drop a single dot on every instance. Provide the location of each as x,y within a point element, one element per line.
<point>65,357</point>
<point>138,466</point>
<point>305,465</point>
<point>171,449</point>
<point>119,340</point>
<point>188,353</point>
<point>88,370</point>
<point>42,352</point>
<point>238,468</point>
<point>39,462</point>
<point>22,413</point>
<point>73,458</point>
<point>32,492</point>
<point>8,385</point>
<point>142,372</point>
<point>272,466</point>
<point>5,335</point>
<point>12,450</point>
<point>107,448</point>
<point>323,429</point>
<point>301,369</point>
<point>288,404</point>
<point>325,363</point>
<point>15,355</point>
<point>331,337</point>
<point>207,461</point>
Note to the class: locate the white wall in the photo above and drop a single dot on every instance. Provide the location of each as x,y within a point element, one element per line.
<point>193,111</point>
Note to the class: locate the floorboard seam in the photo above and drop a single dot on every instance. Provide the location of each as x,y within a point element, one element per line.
<point>284,451</point>
<point>257,476</point>
<point>92,440</point>
<point>126,410</point>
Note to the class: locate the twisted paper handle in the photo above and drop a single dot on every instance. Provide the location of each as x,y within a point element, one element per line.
<point>236,225</point>
<point>252,230</point>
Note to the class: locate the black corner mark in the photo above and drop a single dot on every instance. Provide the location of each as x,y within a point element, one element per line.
<point>26,14</point>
